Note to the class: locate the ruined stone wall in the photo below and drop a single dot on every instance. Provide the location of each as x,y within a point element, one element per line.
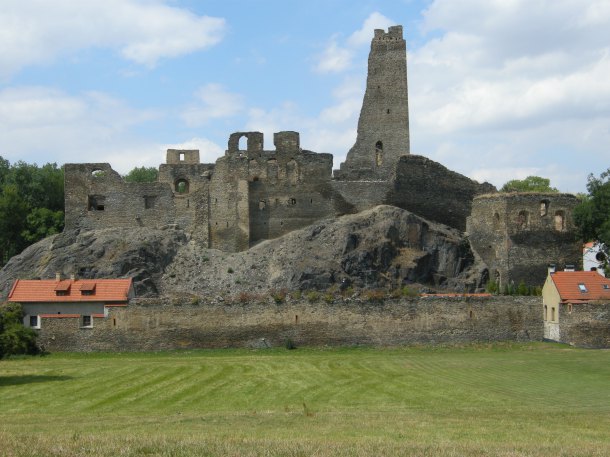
<point>434,192</point>
<point>585,325</point>
<point>258,194</point>
<point>190,183</point>
<point>518,234</point>
<point>383,126</point>
<point>164,324</point>
<point>97,197</point>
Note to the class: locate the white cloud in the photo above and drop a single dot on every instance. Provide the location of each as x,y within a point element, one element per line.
<point>337,58</point>
<point>507,88</point>
<point>208,150</point>
<point>333,130</point>
<point>364,35</point>
<point>213,101</point>
<point>37,123</point>
<point>38,31</point>
<point>334,59</point>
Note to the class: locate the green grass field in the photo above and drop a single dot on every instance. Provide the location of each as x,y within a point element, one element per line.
<point>504,400</point>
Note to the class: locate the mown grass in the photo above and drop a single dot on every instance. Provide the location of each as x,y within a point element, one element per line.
<point>504,400</point>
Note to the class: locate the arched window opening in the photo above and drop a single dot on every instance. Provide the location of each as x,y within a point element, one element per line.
<point>544,207</point>
<point>546,313</point>
<point>379,153</point>
<point>523,220</point>
<point>292,201</point>
<point>181,186</point>
<point>243,143</point>
<point>560,221</point>
<point>262,205</point>
<point>97,173</point>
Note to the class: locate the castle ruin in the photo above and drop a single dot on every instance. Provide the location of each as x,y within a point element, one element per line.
<point>254,194</point>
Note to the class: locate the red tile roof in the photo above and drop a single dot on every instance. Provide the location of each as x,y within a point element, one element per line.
<point>567,284</point>
<point>87,290</point>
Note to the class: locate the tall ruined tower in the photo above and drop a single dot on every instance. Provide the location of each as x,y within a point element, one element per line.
<point>383,127</point>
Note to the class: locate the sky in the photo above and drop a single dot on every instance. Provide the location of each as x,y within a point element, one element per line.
<point>498,89</point>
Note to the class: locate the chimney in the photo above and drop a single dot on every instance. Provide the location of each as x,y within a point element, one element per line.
<point>57,276</point>
<point>73,277</point>
<point>569,268</point>
<point>551,268</point>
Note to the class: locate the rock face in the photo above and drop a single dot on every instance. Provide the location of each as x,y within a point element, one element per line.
<point>382,247</point>
<point>141,254</point>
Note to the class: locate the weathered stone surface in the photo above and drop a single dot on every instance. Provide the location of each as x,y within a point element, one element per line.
<point>141,254</point>
<point>382,247</point>
<point>178,324</point>
<point>517,235</point>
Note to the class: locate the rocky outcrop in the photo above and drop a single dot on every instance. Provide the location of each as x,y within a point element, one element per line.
<point>141,254</point>
<point>382,247</point>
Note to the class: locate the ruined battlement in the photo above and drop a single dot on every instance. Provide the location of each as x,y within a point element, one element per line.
<point>393,33</point>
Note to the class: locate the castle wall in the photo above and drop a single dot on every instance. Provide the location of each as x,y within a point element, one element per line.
<point>518,234</point>
<point>97,197</point>
<point>155,324</point>
<point>434,192</point>
<point>586,325</point>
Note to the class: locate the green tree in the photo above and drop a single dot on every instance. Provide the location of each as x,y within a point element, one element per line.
<point>42,222</point>
<point>529,184</point>
<point>142,174</point>
<point>31,205</point>
<point>15,338</point>
<point>592,215</point>
<point>13,214</point>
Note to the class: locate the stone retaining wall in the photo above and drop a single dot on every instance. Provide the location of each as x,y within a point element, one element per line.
<point>155,324</point>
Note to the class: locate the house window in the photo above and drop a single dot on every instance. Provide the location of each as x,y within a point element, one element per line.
<point>35,321</point>
<point>553,313</point>
<point>582,288</point>
<point>86,321</point>
<point>570,308</point>
<point>546,313</point>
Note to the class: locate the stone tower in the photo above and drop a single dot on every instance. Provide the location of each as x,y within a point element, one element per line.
<point>383,126</point>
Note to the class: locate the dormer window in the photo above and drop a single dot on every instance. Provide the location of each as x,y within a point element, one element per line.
<point>62,288</point>
<point>87,289</point>
<point>583,288</point>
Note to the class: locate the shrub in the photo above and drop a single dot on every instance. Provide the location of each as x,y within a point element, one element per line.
<point>279,296</point>
<point>14,337</point>
<point>329,298</point>
<point>492,287</point>
<point>409,292</point>
<point>312,296</point>
<point>296,294</point>
<point>375,295</point>
<point>522,289</point>
<point>230,270</point>
<point>289,344</point>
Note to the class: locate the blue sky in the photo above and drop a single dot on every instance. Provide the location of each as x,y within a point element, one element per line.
<point>499,89</point>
